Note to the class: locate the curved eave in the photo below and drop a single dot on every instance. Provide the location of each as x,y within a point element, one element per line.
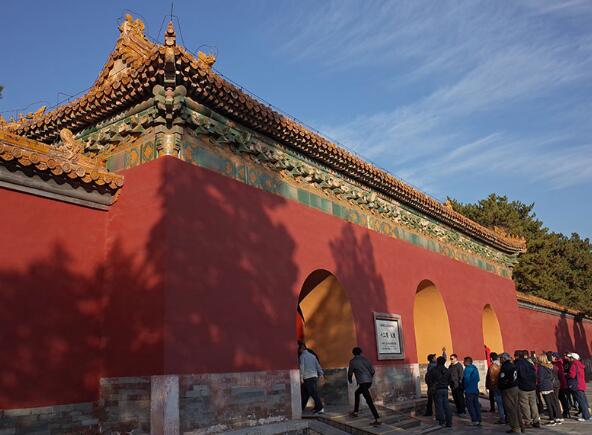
<point>31,156</point>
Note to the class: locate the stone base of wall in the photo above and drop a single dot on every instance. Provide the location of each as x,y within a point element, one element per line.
<point>205,403</point>
<point>392,384</point>
<point>125,405</point>
<point>163,405</point>
<point>222,402</point>
<point>78,418</point>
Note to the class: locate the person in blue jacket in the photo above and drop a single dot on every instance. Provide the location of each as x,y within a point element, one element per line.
<point>471,385</point>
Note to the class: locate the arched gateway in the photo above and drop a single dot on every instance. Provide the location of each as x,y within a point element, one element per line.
<point>324,319</point>
<point>492,334</point>
<point>430,318</point>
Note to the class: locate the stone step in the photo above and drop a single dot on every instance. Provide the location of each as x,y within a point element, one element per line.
<point>410,407</point>
<point>321,427</point>
<point>392,421</point>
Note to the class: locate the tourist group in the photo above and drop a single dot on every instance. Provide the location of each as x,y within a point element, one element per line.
<point>521,388</point>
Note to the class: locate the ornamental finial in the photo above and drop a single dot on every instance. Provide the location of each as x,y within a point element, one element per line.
<point>170,38</point>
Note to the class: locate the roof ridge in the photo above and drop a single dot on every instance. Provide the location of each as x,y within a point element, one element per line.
<point>545,303</point>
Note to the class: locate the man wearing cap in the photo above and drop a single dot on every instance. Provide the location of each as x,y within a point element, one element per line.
<point>577,383</point>
<point>508,385</point>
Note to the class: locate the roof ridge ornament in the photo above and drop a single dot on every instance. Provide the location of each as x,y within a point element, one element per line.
<point>72,150</point>
<point>71,146</point>
<point>130,25</point>
<point>207,59</point>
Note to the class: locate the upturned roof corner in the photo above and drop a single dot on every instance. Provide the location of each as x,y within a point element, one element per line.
<point>56,171</point>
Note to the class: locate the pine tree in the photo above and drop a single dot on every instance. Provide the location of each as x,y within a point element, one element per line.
<point>555,267</point>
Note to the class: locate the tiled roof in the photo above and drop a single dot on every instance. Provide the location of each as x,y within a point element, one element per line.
<point>540,302</point>
<point>61,162</point>
<point>136,65</point>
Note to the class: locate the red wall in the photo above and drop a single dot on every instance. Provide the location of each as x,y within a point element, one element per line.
<point>237,258</point>
<point>200,273</point>
<point>133,326</point>
<point>544,332</point>
<point>51,273</point>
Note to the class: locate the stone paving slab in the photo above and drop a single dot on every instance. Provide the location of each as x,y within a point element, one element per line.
<point>394,422</point>
<point>463,426</point>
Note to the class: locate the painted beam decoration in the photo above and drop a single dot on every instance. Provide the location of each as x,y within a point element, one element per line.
<point>389,336</point>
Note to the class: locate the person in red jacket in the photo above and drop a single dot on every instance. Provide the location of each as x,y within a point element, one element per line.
<point>577,384</point>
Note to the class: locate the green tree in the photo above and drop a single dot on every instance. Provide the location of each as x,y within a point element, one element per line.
<point>555,267</point>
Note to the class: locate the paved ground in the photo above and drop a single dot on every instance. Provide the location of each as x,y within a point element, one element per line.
<point>489,426</point>
<point>395,423</point>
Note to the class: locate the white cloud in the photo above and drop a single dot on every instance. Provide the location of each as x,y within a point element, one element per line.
<point>480,59</point>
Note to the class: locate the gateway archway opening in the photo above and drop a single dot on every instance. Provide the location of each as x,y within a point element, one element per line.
<point>492,334</point>
<point>324,319</point>
<point>430,319</point>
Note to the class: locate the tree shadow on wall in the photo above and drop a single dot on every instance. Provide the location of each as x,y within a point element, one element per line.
<point>562,337</point>
<point>50,331</point>
<point>580,339</point>
<point>230,275</point>
<point>207,287</point>
<point>357,271</point>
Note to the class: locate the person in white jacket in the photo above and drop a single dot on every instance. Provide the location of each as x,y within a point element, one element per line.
<point>310,371</point>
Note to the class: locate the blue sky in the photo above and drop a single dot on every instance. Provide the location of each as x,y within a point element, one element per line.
<point>457,98</point>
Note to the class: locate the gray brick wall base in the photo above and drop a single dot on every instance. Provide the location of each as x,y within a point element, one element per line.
<point>250,402</point>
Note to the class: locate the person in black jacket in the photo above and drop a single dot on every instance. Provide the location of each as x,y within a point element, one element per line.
<point>431,365</point>
<point>508,385</point>
<point>440,377</point>
<point>362,369</point>
<point>527,386</point>
<point>456,370</point>
<point>428,380</point>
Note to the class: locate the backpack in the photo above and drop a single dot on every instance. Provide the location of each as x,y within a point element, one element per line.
<point>572,383</point>
<point>556,383</point>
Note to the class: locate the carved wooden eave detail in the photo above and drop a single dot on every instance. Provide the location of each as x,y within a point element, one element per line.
<point>59,172</point>
<point>139,70</point>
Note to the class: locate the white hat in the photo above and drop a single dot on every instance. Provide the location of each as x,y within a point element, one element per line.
<point>575,355</point>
